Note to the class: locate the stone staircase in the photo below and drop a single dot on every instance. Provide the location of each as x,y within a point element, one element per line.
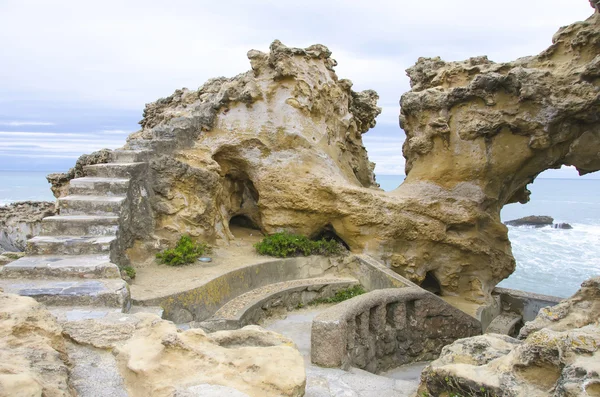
<point>72,263</point>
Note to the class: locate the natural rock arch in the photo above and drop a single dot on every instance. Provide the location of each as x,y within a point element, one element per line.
<point>282,145</point>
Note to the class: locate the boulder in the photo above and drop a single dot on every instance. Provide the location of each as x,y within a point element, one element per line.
<point>33,360</point>
<point>557,354</point>
<point>533,220</point>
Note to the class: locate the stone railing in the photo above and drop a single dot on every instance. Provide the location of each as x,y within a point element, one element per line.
<point>387,328</point>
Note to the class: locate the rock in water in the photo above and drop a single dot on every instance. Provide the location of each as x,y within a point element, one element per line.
<point>558,354</point>
<point>534,220</point>
<point>281,145</point>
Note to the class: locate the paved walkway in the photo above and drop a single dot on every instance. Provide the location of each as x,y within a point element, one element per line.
<point>331,382</point>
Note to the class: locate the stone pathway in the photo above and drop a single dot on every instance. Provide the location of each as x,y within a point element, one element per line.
<point>332,382</point>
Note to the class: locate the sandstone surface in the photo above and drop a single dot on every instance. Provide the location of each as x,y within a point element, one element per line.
<point>558,354</point>
<point>280,148</point>
<point>33,360</point>
<point>151,357</point>
<point>20,221</point>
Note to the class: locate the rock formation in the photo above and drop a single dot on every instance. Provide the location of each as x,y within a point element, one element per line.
<point>280,148</point>
<point>558,354</point>
<point>33,360</point>
<point>20,221</point>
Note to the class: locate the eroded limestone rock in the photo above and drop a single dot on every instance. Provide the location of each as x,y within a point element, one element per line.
<point>33,361</point>
<point>559,355</point>
<point>59,181</point>
<point>21,221</point>
<point>281,146</point>
<point>158,360</point>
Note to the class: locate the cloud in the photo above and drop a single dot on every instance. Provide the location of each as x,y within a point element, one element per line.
<point>25,123</point>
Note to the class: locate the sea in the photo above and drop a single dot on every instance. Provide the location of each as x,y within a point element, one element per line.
<point>549,261</point>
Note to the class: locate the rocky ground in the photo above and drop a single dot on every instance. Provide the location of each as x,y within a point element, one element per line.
<point>557,354</point>
<point>20,221</point>
<point>116,354</point>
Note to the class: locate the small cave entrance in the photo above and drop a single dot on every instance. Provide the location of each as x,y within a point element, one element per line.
<point>243,221</point>
<point>328,233</point>
<point>431,284</point>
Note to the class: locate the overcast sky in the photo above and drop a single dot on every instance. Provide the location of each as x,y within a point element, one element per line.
<point>75,75</point>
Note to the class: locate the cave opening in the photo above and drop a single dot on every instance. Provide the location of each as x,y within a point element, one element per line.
<point>243,221</point>
<point>431,284</point>
<point>328,233</point>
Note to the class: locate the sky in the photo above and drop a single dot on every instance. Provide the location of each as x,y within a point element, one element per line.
<point>75,75</point>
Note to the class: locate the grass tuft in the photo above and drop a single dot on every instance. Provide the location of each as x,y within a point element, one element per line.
<point>186,251</point>
<point>284,245</point>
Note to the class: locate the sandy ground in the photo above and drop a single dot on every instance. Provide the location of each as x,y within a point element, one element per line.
<point>155,280</point>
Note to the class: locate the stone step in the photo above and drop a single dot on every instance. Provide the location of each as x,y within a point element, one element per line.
<point>69,245</point>
<point>90,205</point>
<point>504,324</point>
<point>160,145</point>
<point>253,306</point>
<point>80,225</point>
<point>97,292</point>
<point>91,186</point>
<point>61,267</point>
<point>130,156</point>
<point>114,170</point>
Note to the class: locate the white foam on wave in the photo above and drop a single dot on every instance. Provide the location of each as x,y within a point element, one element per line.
<point>554,261</point>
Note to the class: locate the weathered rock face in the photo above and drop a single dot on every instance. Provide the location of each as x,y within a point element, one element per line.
<point>159,360</point>
<point>33,361</point>
<point>281,146</point>
<point>559,355</point>
<point>21,221</point>
<point>60,180</point>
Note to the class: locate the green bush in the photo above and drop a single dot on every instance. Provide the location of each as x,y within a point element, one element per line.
<point>285,244</point>
<point>130,271</point>
<point>186,251</point>
<point>341,295</point>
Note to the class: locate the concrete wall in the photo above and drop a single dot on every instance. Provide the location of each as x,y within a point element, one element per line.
<point>526,304</point>
<point>387,328</point>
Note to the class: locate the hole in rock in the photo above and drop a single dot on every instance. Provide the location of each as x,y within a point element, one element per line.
<point>431,284</point>
<point>243,221</point>
<point>328,233</point>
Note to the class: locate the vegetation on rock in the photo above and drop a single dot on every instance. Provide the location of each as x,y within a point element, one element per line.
<point>284,245</point>
<point>186,251</point>
<point>130,271</point>
<point>341,295</point>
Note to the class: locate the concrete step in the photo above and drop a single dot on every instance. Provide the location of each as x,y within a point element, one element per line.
<point>80,225</point>
<point>98,292</point>
<point>253,306</point>
<point>61,267</point>
<point>69,245</point>
<point>504,324</point>
<point>91,186</point>
<point>90,205</point>
<point>130,156</point>
<point>114,170</point>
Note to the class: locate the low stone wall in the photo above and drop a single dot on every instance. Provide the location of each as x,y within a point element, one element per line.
<point>200,303</point>
<point>387,328</point>
<point>525,304</point>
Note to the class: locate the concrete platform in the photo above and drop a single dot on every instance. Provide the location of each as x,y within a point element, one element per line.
<point>90,205</point>
<point>96,186</point>
<point>80,225</point>
<point>69,245</point>
<point>61,266</point>
<point>504,324</point>
<point>98,292</point>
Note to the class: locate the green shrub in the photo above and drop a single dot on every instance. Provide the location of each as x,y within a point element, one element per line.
<point>285,244</point>
<point>186,251</point>
<point>341,295</point>
<point>130,271</point>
